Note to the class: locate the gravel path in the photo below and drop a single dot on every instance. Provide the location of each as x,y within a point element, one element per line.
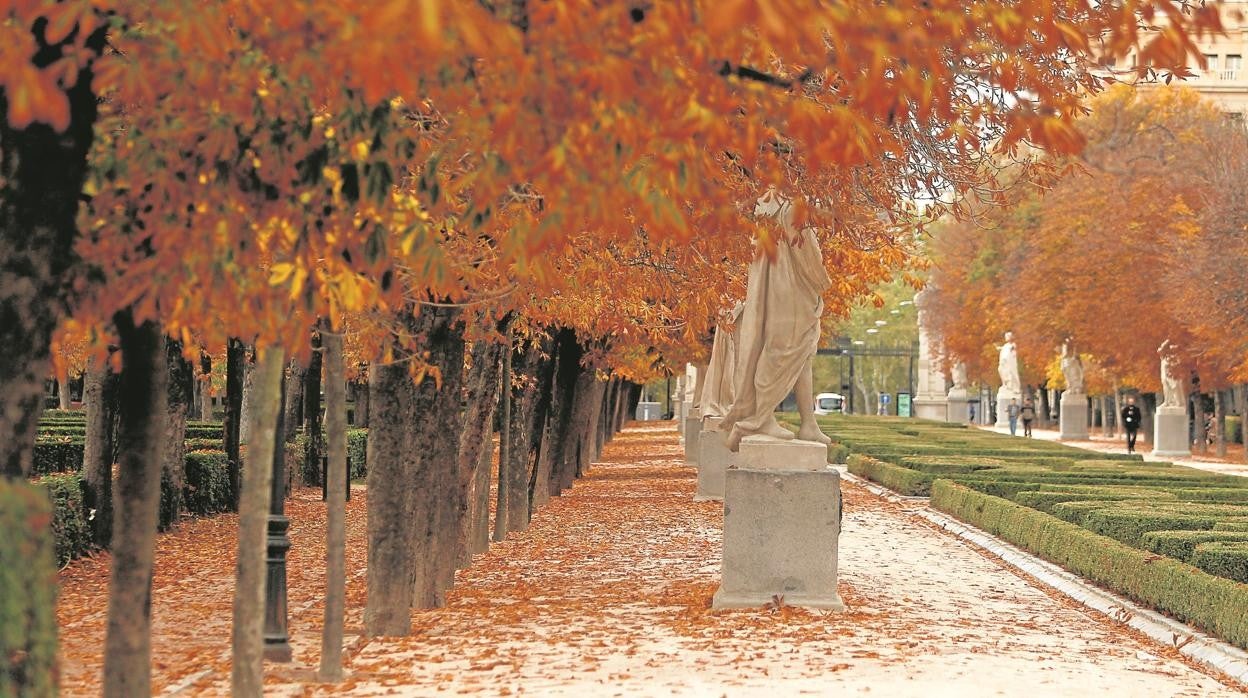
<point>608,594</point>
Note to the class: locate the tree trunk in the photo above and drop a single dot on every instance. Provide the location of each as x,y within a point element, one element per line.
<point>1219,418</point>
<point>479,530</point>
<point>312,414</point>
<point>292,401</point>
<point>481,399</point>
<point>100,452</point>
<point>62,388</point>
<point>586,424</point>
<point>336,505</point>
<point>501,513</point>
<point>526,366</point>
<point>1201,445</point>
<point>235,366</point>
<point>1118,407</point>
<point>567,357</point>
<point>361,404</point>
<point>244,404</point>
<point>440,489</point>
<point>205,387</point>
<point>251,569</point>
<point>181,379</point>
<point>387,611</point>
<point>541,359</point>
<point>143,408</point>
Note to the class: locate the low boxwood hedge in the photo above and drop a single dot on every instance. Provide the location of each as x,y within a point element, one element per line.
<point>1213,603</point>
<point>357,452</point>
<point>902,480</point>
<point>27,620</point>
<point>60,455</point>
<point>1180,545</point>
<point>1223,558</point>
<point>71,521</point>
<point>1231,526</point>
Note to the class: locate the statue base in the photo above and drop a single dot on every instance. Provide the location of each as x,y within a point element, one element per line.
<point>769,453</point>
<point>1170,433</point>
<point>1003,406</point>
<point>714,459</point>
<point>781,532</point>
<point>693,427</point>
<point>957,407</point>
<point>931,407</point>
<point>1073,419</point>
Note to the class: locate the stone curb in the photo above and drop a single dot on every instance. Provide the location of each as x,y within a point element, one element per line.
<point>1205,649</point>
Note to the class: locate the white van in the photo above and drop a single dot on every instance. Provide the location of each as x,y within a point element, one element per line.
<point>829,403</point>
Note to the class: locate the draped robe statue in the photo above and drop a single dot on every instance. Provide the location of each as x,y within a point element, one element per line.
<point>1171,386</point>
<point>717,392</point>
<point>778,333</point>
<point>1007,366</point>
<point>1072,368</point>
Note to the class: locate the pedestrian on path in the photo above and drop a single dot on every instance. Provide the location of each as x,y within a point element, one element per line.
<point>1012,412</point>
<point>1131,422</point>
<point>1028,414</point>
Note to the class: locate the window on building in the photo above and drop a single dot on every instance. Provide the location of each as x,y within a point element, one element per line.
<point>1231,67</point>
<point>1211,64</point>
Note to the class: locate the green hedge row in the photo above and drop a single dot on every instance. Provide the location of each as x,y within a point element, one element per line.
<point>357,452</point>
<point>205,491</point>
<point>27,619</point>
<point>912,483</point>
<point>1212,602</point>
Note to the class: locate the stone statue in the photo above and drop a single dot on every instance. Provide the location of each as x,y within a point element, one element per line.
<point>1072,367</point>
<point>1007,366</point>
<point>778,333</point>
<point>1171,386</point>
<point>958,374</point>
<point>717,391</point>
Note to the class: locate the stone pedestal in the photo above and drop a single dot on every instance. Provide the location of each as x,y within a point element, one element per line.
<point>693,427</point>
<point>931,408</point>
<point>958,406</point>
<point>1170,437</point>
<point>1073,418</point>
<point>781,530</point>
<point>769,453</point>
<point>1003,405</point>
<point>714,459</point>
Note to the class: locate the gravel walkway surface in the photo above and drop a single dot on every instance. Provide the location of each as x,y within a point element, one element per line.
<point>608,594</point>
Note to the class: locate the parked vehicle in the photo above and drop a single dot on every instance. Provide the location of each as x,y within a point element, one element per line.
<point>829,403</point>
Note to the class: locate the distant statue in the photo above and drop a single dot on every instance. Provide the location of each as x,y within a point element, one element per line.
<point>958,373</point>
<point>779,332</point>
<point>1007,365</point>
<point>717,390</point>
<point>1171,386</point>
<point>1072,367</point>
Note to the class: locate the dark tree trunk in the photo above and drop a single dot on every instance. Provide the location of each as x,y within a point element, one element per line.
<point>143,408</point>
<point>630,407</point>
<point>205,387</point>
<point>1219,418</point>
<point>312,414</point>
<point>481,399</point>
<point>361,404</point>
<point>501,513</point>
<point>555,444</point>
<point>390,557</point>
<point>100,451</point>
<point>181,379</point>
<point>235,365</point>
<point>541,356</point>
<point>42,173</point>
<point>292,401</point>
<point>527,365</point>
<point>440,489</point>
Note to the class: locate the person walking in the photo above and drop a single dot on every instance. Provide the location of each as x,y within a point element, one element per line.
<point>1012,412</point>
<point>1028,413</point>
<point>1131,422</point>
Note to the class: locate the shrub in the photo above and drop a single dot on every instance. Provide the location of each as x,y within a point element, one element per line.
<point>1214,603</point>
<point>901,480</point>
<point>1234,429</point>
<point>71,525</point>
<point>1180,545</point>
<point>1231,526</point>
<point>57,456</point>
<point>1223,558</point>
<point>206,488</point>
<point>1046,500</point>
<point>27,620</point>
<point>357,452</point>
<point>204,445</point>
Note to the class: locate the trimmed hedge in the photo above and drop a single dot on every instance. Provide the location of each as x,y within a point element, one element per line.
<point>1188,593</point>
<point>901,480</point>
<point>357,452</point>
<point>1180,545</point>
<point>1231,526</point>
<point>71,521</point>
<point>1223,558</point>
<point>206,484</point>
<point>27,619</point>
<point>57,456</point>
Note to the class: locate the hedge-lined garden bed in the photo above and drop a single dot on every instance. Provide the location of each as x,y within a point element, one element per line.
<point>1172,537</point>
